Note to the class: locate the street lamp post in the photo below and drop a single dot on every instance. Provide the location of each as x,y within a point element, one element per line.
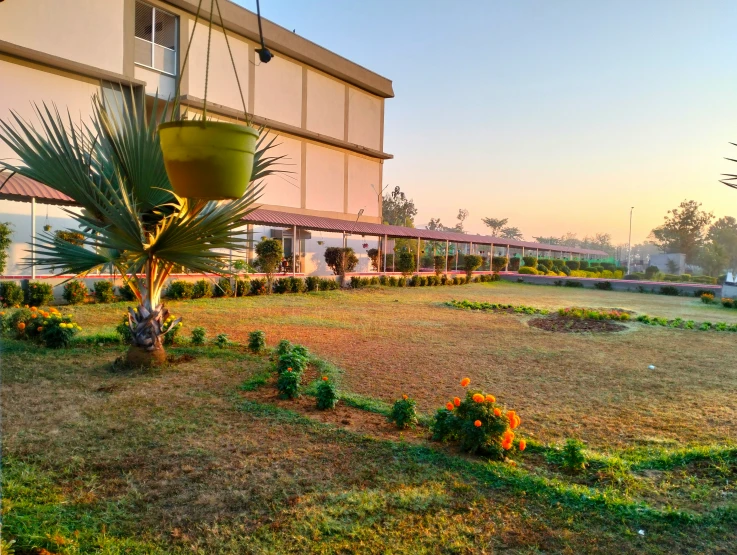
<point>629,243</point>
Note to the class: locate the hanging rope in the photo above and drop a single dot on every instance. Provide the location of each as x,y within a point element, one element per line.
<point>186,57</point>
<point>232,61</point>
<point>207,63</point>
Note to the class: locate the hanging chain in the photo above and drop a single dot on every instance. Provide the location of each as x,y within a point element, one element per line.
<point>207,63</point>
<point>186,57</point>
<point>232,60</point>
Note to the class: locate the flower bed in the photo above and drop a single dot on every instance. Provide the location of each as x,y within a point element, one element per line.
<point>497,307</point>
<point>680,323</point>
<point>594,314</point>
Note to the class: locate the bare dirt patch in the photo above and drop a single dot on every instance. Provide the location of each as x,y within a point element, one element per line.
<point>575,325</point>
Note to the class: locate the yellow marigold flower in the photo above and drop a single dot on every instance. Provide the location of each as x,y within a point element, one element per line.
<point>491,398</point>
<point>465,382</point>
<point>477,397</point>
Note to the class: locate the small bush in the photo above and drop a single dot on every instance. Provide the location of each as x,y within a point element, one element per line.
<point>74,292</point>
<point>573,264</point>
<point>404,413</point>
<point>198,336</point>
<point>11,294</point>
<point>603,285</point>
<point>402,282</point>
<point>202,289</point>
<point>259,286</point>
<point>669,290</point>
<point>514,263</point>
<point>651,272</point>
<point>284,346</point>
<point>392,281</point>
<point>498,263</point>
<point>727,302</point>
<point>355,282</point>
<point>327,395</point>
<point>123,330</point>
<point>126,293</point>
<point>707,298</point>
<point>257,342</point>
<point>572,283</point>
<point>327,284</point>
<point>438,263</point>
<point>222,340</point>
<point>171,329</point>
<point>288,383</point>
<point>180,289</point>
<point>471,263</point>
<point>547,262</point>
<point>530,261</point>
<point>223,288</point>
<point>573,459</point>
<point>583,264</point>
<point>527,270</point>
<point>406,262</point>
<point>312,283</point>
<point>104,292</point>
<point>39,294</point>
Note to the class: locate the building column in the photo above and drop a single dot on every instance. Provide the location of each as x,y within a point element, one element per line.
<point>33,238</point>
<point>294,250</point>
<point>506,268</point>
<point>491,257</point>
<point>386,242</point>
<point>447,253</point>
<point>418,255</point>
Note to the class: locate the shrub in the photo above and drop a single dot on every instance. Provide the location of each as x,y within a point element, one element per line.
<point>39,294</point>
<point>651,272</point>
<point>422,280</point>
<point>327,395</point>
<point>498,263</point>
<point>572,283</point>
<point>591,314</point>
<point>603,285</point>
<point>471,263</point>
<point>281,286</point>
<point>327,284</point>
<point>283,347</point>
<point>542,269</point>
<point>74,292</point>
<point>52,329</point>
<point>223,288</point>
<point>11,293</point>
<point>564,270</point>
<point>547,262</point>
<point>530,261</point>
<point>402,282</point>
<point>573,264</point>
<point>404,413</point>
<point>478,424</point>
<point>727,302</point>
<point>355,282</point>
<point>270,254</point>
<point>685,277</point>
<point>438,264</point>
<point>256,342</point>
<point>340,261</point>
<point>405,261</point>
<point>312,283</point>
<point>514,263</point>
<point>198,336</point>
<point>700,292</point>
<point>392,281</point>
<point>669,290</point>
<point>222,340</point>
<point>383,280</point>
<point>583,264</point>
<point>123,329</point>
<point>527,270</point>
<point>180,289</point>
<point>373,255</point>
<point>104,292</point>
<point>288,383</point>
<point>126,293</point>
<point>259,286</point>
<point>171,328</point>
<point>19,321</point>
<point>707,298</point>
<point>242,286</point>
<point>573,459</point>
<point>201,289</point>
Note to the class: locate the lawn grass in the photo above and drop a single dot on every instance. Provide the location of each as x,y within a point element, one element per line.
<point>186,459</point>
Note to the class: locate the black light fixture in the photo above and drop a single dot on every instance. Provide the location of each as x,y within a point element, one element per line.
<point>263,53</point>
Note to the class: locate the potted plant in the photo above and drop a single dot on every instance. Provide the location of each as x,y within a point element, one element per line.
<point>47,227</point>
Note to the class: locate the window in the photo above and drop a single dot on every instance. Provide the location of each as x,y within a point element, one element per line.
<point>156,38</point>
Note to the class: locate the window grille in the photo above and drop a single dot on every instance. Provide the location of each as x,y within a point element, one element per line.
<point>156,38</point>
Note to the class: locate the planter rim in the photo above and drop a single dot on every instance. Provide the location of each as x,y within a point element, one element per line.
<point>211,124</point>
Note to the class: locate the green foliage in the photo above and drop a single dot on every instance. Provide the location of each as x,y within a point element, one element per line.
<point>669,290</point>
<point>547,262</point>
<point>312,283</point>
<point>222,340</point>
<point>498,263</point>
<point>573,458</point>
<point>104,291</point>
<point>52,329</point>
<point>126,292</point>
<point>171,330</point>
<point>406,263</point>
<point>39,294</point>
<point>651,272</point>
<point>474,305</point>
<point>341,261</point>
<point>584,265</point>
<point>180,290</point>
<point>592,314</point>
<point>528,270</point>
<point>223,288</point>
<point>397,209</point>
<point>289,285</point>
<point>376,262</point>
<point>471,263</point>
<point>573,264</point>
<point>514,263</point>
<point>257,342</point>
<point>11,294</point>
<point>270,254</point>
<point>530,261</point>
<point>603,285</point>
<point>75,292</point>
<point>6,232</point>
<point>123,329</point>
<point>438,263</point>
<point>327,394</point>
<point>404,413</point>
<point>201,289</point>
<point>198,336</point>
<point>572,283</point>
<point>259,286</point>
<point>684,230</point>
<point>327,284</point>
<point>288,383</point>
<point>296,358</point>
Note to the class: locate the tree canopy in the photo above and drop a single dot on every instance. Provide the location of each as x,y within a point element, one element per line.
<point>495,224</point>
<point>397,209</point>
<point>684,230</point>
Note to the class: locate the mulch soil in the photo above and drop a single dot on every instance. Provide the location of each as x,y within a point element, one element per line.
<point>575,325</point>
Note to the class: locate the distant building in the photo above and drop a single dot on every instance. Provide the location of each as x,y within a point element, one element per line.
<point>670,263</point>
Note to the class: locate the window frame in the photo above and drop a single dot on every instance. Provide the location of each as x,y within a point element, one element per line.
<point>153,44</point>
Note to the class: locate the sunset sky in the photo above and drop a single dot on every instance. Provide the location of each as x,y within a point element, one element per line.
<point>557,115</point>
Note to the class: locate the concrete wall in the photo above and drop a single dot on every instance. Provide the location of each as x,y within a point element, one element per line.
<point>617,284</point>
<point>85,31</point>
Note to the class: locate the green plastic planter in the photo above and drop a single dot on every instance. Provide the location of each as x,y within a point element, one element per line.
<point>208,160</point>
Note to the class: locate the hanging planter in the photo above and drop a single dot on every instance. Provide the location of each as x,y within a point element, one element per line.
<point>47,227</point>
<point>204,159</point>
<point>321,243</point>
<point>208,160</point>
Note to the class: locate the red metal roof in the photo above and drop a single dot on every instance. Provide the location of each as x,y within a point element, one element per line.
<point>22,188</point>
<point>318,223</point>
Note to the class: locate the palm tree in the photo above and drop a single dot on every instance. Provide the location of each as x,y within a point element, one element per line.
<point>131,219</point>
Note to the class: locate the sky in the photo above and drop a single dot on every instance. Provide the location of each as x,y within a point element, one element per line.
<point>559,115</point>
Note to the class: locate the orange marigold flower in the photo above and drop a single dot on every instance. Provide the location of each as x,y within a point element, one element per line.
<point>514,420</point>
<point>491,398</point>
<point>478,398</point>
<point>457,401</point>
<point>324,378</point>
<point>506,445</point>
<point>289,369</point>
<point>477,423</point>
<point>449,406</point>
<point>465,382</point>
<point>508,435</point>
<point>497,411</point>
<point>405,397</point>
<point>522,444</point>
<point>39,328</point>
<point>21,326</point>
